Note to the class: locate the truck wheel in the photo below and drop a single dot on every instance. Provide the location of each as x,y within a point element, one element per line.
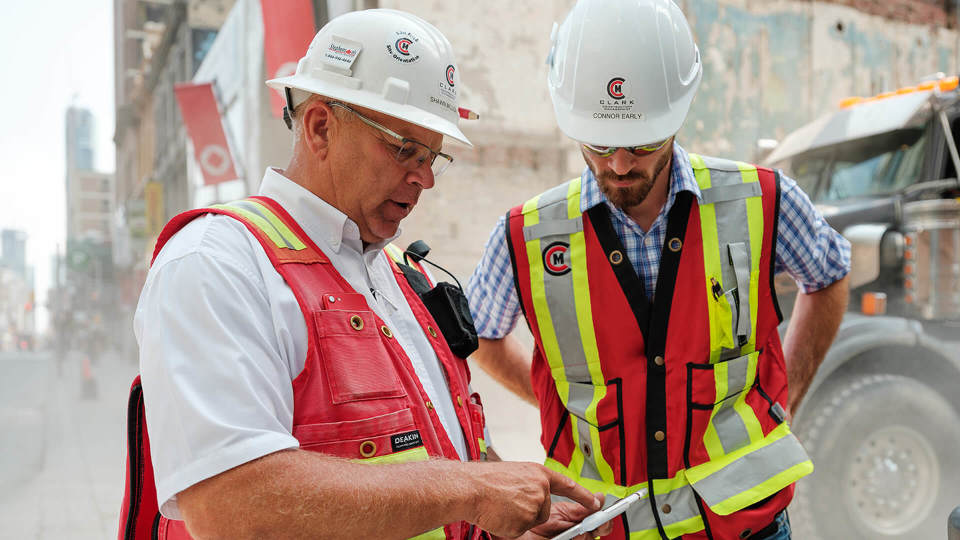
<point>886,453</point>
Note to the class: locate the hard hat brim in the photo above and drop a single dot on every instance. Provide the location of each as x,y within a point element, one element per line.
<point>404,112</point>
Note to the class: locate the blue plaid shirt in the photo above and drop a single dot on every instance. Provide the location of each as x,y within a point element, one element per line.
<point>809,250</point>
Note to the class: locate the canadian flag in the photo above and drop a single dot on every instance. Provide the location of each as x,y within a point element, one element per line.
<point>287,32</point>
<point>201,116</point>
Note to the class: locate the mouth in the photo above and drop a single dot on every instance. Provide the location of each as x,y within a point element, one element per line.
<point>397,210</point>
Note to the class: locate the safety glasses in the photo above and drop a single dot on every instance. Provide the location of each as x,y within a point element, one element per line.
<point>607,151</point>
<point>411,154</point>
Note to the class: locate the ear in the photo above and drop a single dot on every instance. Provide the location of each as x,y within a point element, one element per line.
<point>317,121</point>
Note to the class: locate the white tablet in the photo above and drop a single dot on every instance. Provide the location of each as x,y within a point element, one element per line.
<point>600,517</point>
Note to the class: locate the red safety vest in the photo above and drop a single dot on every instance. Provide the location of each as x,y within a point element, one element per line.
<point>680,398</point>
<point>357,397</point>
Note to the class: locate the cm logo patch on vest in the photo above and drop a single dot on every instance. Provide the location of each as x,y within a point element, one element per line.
<point>556,258</point>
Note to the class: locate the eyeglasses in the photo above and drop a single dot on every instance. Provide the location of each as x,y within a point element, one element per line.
<point>607,151</point>
<point>410,154</point>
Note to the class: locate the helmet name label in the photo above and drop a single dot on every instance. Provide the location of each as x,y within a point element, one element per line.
<point>443,103</point>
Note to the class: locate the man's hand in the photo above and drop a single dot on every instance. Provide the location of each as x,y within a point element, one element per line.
<point>564,515</point>
<point>512,497</point>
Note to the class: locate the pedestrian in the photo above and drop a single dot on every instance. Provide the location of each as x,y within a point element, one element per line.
<point>293,383</point>
<point>647,283</point>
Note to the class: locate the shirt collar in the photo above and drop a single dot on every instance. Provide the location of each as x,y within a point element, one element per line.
<point>324,224</point>
<point>681,179</point>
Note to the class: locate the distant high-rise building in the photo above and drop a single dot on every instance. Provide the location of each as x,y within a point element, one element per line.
<point>14,251</point>
<point>90,194</point>
<point>79,140</point>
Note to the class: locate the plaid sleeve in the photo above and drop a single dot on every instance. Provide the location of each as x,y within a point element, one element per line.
<point>808,249</point>
<point>490,291</point>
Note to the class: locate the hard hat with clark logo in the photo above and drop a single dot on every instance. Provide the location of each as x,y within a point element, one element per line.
<point>623,73</point>
<point>385,60</point>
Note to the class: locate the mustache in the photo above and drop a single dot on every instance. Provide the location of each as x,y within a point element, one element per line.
<point>610,176</point>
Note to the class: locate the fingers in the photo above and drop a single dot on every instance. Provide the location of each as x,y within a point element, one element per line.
<point>563,486</point>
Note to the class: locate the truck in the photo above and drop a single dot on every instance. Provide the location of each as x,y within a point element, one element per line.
<point>881,419</point>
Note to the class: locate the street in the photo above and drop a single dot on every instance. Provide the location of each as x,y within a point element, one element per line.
<point>61,471</point>
<point>62,451</point>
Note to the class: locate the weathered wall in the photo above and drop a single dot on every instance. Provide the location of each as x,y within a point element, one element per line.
<point>770,67</point>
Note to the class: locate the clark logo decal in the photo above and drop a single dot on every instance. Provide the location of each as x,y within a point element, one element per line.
<point>615,87</point>
<point>450,71</point>
<point>619,107</point>
<point>556,258</point>
<point>403,46</point>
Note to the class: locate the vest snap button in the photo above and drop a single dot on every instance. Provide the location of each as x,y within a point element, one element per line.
<point>429,405</point>
<point>675,244</point>
<point>386,331</point>
<point>433,333</point>
<point>666,508</point>
<point>586,449</point>
<point>616,256</point>
<point>746,533</point>
<point>368,448</point>
<point>459,401</point>
<point>658,360</point>
<point>356,322</point>
<point>659,436</point>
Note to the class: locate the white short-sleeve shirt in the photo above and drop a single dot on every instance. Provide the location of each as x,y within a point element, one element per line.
<point>222,338</point>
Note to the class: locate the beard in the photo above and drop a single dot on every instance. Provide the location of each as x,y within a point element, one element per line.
<point>625,198</point>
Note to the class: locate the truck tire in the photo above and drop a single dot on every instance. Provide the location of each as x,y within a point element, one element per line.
<point>886,452</point>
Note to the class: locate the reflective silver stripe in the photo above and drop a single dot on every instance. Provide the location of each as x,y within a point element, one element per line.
<point>252,208</point>
<point>751,470</point>
<point>559,292</point>
<point>589,469</point>
<point>731,192</point>
<point>740,260</point>
<point>682,505</point>
<point>732,228</point>
<point>731,430</point>
<point>552,228</point>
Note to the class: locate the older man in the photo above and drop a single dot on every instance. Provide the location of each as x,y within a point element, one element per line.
<point>294,384</point>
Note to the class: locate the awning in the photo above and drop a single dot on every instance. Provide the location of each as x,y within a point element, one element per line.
<point>856,122</point>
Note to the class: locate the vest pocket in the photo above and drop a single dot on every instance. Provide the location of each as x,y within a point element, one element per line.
<point>388,438</point>
<point>356,361</point>
<point>597,429</point>
<point>720,416</point>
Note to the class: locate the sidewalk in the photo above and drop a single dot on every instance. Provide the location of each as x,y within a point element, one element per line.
<point>75,490</point>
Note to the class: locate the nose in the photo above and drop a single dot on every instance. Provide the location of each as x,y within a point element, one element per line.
<point>421,176</point>
<point>621,162</point>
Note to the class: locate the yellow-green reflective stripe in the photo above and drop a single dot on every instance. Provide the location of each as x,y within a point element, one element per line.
<point>538,293</point>
<point>260,223</point>
<point>747,414</point>
<point>436,534</point>
<point>395,253</point>
<point>482,444</point>
<point>584,310</point>
<point>755,224</point>
<point>597,486</point>
<point>763,490</point>
<point>285,231</point>
<point>711,439</point>
<point>718,310</point>
<point>414,454</point>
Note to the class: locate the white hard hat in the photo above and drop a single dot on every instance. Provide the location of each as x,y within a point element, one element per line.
<point>623,73</point>
<point>385,60</point>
